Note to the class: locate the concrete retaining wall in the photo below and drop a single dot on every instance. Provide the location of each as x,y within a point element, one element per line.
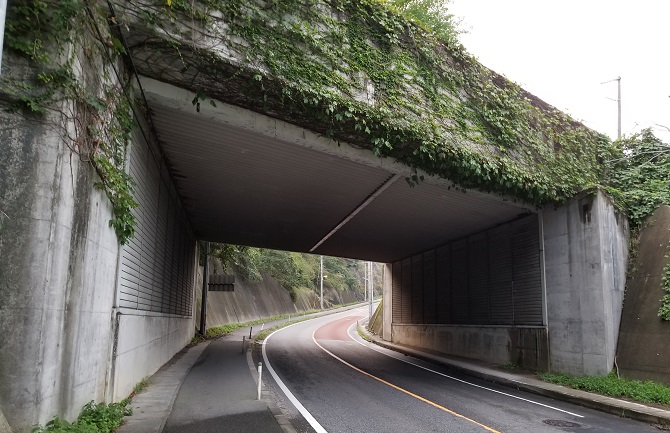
<point>145,343</point>
<point>256,300</point>
<point>586,256</point>
<point>498,345</point>
<point>644,350</point>
<point>57,275</point>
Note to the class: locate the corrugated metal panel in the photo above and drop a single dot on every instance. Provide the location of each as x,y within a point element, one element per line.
<point>478,281</point>
<point>406,291</point>
<point>526,272</point>
<point>417,289</point>
<point>157,264</point>
<point>396,287</point>
<point>443,285</point>
<point>429,288</point>
<point>500,275</point>
<point>459,281</point>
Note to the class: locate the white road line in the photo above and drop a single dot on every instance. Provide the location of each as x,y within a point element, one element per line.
<point>459,380</point>
<point>304,412</point>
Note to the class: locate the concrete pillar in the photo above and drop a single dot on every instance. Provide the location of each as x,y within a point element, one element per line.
<point>387,303</point>
<point>586,255</point>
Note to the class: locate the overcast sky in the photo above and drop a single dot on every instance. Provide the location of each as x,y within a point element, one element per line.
<point>561,51</point>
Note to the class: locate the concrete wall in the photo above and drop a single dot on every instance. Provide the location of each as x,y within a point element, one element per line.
<point>256,300</point>
<point>145,343</point>
<point>498,345</point>
<point>586,255</point>
<point>643,350</point>
<point>387,306</point>
<point>57,274</point>
<point>62,342</point>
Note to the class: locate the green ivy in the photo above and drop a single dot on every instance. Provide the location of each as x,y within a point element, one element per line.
<point>48,33</point>
<point>637,176</point>
<point>311,62</point>
<point>434,107</point>
<point>664,311</point>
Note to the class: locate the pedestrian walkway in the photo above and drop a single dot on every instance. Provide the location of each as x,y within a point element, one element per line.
<point>212,387</point>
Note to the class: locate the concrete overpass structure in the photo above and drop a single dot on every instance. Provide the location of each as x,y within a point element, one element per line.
<point>478,264</point>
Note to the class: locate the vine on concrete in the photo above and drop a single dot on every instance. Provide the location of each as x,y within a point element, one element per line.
<point>91,112</point>
<point>637,175</point>
<point>353,70</point>
<point>361,73</point>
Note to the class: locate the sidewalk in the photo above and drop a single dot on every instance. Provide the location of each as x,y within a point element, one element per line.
<point>210,387</point>
<point>528,383</point>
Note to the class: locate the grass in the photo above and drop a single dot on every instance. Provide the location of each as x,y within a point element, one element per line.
<point>264,334</point>
<point>94,418</point>
<point>218,331</point>
<point>362,334</point>
<point>613,386</point>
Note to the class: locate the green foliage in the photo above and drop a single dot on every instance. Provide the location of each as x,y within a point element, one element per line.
<point>637,173</point>
<point>432,15</point>
<point>294,271</point>
<point>613,386</point>
<point>94,418</point>
<point>637,176</point>
<point>359,71</point>
<point>664,311</point>
<point>49,34</point>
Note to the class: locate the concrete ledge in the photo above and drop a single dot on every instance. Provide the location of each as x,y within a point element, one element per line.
<point>480,370</point>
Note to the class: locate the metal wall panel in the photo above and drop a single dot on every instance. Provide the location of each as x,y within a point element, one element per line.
<point>493,277</point>
<point>443,284</point>
<point>158,263</point>
<point>396,279</point>
<point>459,281</point>
<point>417,289</point>
<point>406,291</point>
<point>501,300</point>
<point>429,288</point>
<point>478,279</point>
<point>526,270</point>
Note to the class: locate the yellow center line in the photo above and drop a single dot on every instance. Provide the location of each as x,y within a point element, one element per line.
<point>418,397</point>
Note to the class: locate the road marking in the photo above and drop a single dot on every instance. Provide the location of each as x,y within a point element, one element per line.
<point>461,380</point>
<point>304,412</point>
<point>418,397</point>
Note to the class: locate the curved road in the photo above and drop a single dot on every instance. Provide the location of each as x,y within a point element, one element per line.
<point>327,379</point>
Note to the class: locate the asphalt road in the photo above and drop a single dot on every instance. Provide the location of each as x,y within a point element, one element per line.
<point>335,382</point>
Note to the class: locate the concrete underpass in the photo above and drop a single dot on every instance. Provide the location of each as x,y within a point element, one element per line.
<point>468,273</point>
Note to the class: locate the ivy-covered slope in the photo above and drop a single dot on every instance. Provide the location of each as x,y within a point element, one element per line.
<point>358,72</point>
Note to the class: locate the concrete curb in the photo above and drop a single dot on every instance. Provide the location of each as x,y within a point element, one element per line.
<point>622,408</point>
<point>152,407</point>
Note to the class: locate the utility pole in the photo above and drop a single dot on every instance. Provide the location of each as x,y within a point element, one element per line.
<point>3,14</point>
<point>618,102</point>
<point>321,277</point>
<point>205,287</point>
<point>371,285</point>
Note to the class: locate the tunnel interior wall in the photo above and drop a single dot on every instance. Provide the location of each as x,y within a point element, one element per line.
<point>154,309</point>
<point>479,297</point>
<point>586,257</point>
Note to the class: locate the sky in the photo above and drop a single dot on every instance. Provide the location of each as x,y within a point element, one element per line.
<point>561,51</point>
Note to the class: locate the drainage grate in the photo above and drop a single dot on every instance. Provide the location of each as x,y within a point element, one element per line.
<point>560,423</point>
